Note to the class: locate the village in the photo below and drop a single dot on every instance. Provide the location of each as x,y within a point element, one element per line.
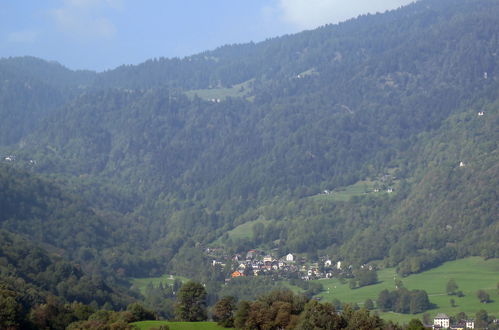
<point>259,263</point>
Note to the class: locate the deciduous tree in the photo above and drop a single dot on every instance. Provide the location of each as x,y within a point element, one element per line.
<point>191,303</point>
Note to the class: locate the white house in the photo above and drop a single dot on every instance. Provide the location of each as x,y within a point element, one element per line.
<point>338,265</point>
<point>327,263</point>
<point>267,259</point>
<point>461,164</point>
<point>441,320</point>
<point>481,113</point>
<point>290,257</point>
<point>470,324</point>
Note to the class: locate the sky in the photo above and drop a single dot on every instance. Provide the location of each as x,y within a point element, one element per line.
<point>103,34</point>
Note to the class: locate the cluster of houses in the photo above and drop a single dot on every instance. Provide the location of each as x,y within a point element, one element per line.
<point>442,321</point>
<point>257,263</point>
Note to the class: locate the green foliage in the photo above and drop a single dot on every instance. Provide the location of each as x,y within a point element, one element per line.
<point>343,111</point>
<point>223,312</point>
<point>483,296</point>
<point>320,316</point>
<point>481,319</point>
<point>10,309</point>
<point>451,287</point>
<point>248,287</point>
<point>472,274</point>
<point>191,303</point>
<point>415,324</point>
<point>363,277</point>
<point>139,313</point>
<point>151,325</point>
<point>369,304</point>
<point>132,175</point>
<point>403,301</point>
<point>276,310</point>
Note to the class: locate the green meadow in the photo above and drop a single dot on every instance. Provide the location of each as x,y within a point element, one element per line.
<point>244,230</point>
<point>239,90</point>
<point>344,194</point>
<point>146,325</point>
<point>470,274</point>
<point>141,283</point>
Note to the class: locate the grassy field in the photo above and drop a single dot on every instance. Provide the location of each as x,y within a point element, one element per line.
<point>141,283</point>
<point>245,230</point>
<point>344,194</point>
<point>146,325</point>
<point>470,274</point>
<point>239,90</point>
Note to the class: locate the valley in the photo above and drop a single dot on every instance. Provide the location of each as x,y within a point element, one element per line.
<point>335,162</point>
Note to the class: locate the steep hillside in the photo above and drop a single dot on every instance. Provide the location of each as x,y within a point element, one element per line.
<point>30,90</point>
<point>389,99</point>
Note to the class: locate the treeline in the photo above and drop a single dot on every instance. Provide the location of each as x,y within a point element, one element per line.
<point>54,314</point>
<point>26,266</point>
<point>281,309</point>
<point>403,301</point>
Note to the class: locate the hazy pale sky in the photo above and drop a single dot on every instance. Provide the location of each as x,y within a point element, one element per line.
<point>102,34</point>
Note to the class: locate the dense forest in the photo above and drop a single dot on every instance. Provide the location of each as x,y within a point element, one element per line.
<point>133,172</point>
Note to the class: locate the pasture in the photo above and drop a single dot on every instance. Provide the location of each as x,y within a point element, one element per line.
<point>141,283</point>
<point>471,274</point>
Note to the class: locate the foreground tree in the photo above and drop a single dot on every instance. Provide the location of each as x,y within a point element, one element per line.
<point>139,313</point>
<point>321,316</point>
<point>415,324</point>
<point>242,314</point>
<point>223,312</point>
<point>191,303</point>
<point>10,312</point>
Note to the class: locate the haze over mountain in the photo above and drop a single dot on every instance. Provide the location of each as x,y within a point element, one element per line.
<point>101,35</point>
<point>135,171</point>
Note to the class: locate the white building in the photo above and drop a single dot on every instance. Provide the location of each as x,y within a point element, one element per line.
<point>441,320</point>
<point>267,259</point>
<point>290,257</point>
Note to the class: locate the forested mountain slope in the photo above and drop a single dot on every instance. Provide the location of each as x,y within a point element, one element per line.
<point>31,89</point>
<point>54,260</point>
<point>173,153</point>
